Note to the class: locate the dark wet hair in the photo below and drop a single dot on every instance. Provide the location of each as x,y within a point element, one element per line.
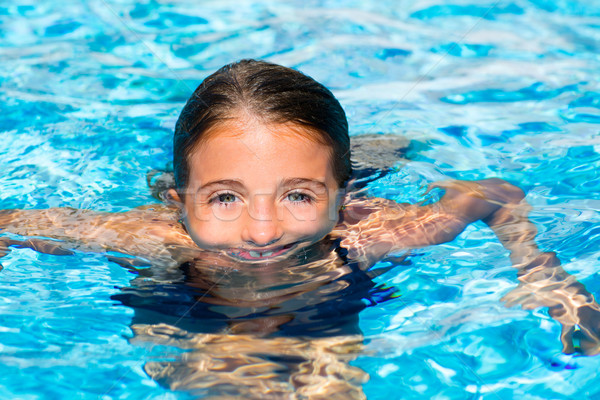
<point>273,94</point>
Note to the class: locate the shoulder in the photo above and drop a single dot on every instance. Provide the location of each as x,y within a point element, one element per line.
<point>156,221</point>
<point>371,213</point>
<point>363,227</point>
<point>153,213</point>
<point>372,228</point>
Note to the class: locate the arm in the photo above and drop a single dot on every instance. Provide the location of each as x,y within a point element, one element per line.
<point>543,282</point>
<point>143,231</point>
<point>375,227</point>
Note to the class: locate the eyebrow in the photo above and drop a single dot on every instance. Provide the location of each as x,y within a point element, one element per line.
<point>232,183</point>
<point>302,181</point>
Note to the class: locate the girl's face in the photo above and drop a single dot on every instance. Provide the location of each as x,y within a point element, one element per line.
<point>260,192</point>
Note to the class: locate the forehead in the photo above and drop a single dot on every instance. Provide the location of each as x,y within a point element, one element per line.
<point>256,152</point>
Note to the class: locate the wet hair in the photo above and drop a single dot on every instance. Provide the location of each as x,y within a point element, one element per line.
<point>272,94</point>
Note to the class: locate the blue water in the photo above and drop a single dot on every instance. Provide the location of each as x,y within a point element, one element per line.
<point>90,91</point>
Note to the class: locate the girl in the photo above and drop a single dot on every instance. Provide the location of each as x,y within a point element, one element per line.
<point>260,220</point>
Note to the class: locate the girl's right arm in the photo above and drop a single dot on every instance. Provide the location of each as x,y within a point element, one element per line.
<point>143,231</point>
<point>56,223</point>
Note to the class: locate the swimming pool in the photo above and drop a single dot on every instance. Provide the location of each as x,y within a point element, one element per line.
<point>90,94</point>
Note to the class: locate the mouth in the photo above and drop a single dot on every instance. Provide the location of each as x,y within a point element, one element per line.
<point>261,254</point>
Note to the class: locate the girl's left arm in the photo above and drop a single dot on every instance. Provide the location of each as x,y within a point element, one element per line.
<point>543,282</point>
<point>375,227</point>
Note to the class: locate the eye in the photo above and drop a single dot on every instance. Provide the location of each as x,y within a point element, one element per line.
<point>299,197</point>
<point>226,198</point>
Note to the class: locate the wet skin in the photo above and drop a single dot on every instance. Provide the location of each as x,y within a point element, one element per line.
<point>259,192</point>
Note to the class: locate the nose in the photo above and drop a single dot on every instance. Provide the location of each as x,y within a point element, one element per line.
<point>262,226</point>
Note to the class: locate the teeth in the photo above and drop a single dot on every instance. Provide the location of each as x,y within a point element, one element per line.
<point>256,254</point>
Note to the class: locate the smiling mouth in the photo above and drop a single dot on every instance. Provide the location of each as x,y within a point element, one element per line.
<point>261,254</point>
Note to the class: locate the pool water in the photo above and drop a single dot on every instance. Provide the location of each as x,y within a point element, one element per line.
<point>90,91</point>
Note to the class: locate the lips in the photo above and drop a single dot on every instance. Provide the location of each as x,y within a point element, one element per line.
<point>260,254</point>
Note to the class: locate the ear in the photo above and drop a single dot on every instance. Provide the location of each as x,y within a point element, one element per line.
<point>173,197</point>
<point>337,205</point>
<point>342,196</point>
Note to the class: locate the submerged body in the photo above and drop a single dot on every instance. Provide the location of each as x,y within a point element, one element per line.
<point>281,330</point>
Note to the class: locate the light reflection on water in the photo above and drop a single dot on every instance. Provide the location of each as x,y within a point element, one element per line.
<point>90,93</point>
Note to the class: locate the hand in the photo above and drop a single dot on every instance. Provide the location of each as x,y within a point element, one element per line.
<point>5,246</point>
<point>580,324</point>
<point>544,283</point>
<point>584,337</point>
<point>39,245</point>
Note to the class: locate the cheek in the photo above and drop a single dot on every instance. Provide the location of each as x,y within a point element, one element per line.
<point>208,228</point>
<point>298,213</point>
<point>230,213</point>
<point>211,234</point>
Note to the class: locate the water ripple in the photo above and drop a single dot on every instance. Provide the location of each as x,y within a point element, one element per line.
<point>90,94</point>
